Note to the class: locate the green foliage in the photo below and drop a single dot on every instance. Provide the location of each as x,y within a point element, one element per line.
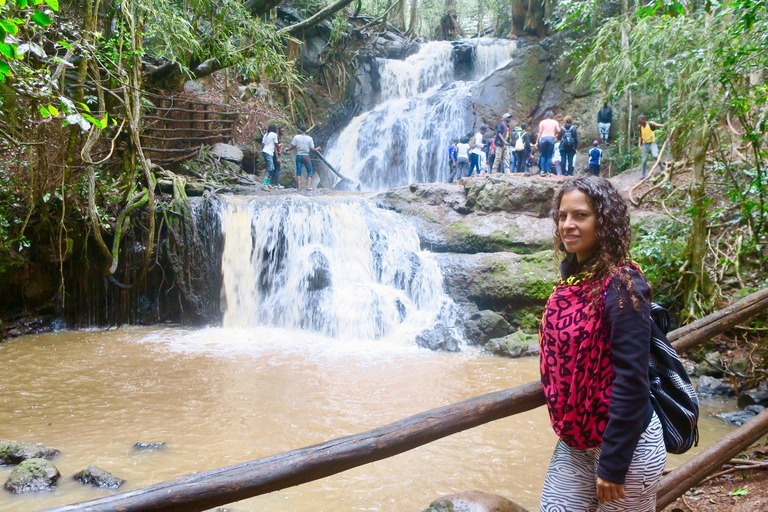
<point>660,253</point>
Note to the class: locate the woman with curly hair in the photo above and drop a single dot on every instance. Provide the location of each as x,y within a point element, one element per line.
<point>595,344</point>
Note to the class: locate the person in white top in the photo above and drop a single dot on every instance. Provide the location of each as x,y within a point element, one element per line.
<point>474,155</point>
<point>304,144</point>
<point>462,155</point>
<point>268,144</point>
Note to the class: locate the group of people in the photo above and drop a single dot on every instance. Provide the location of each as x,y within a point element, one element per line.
<point>272,150</point>
<point>511,149</point>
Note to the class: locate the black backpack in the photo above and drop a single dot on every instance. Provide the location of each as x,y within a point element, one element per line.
<point>672,394</point>
<point>567,142</point>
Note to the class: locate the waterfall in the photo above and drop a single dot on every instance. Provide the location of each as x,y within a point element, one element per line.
<point>404,139</point>
<point>338,266</point>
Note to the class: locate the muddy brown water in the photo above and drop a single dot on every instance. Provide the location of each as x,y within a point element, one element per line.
<point>219,397</point>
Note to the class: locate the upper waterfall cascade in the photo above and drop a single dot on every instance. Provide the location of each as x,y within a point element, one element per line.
<point>339,267</point>
<point>405,138</point>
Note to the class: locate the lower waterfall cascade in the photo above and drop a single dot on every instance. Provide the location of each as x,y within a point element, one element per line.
<point>337,266</point>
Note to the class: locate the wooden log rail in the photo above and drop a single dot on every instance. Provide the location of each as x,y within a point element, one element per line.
<point>209,489</point>
<point>190,123</point>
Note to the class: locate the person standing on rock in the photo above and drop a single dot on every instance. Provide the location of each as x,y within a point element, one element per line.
<point>452,161</point>
<point>647,140</point>
<point>569,141</point>
<point>595,340</point>
<point>474,154</point>
<point>595,159</point>
<point>274,179</point>
<point>268,146</point>
<point>462,156</point>
<point>549,131</point>
<point>522,145</point>
<point>304,145</point>
<point>604,120</point>
<point>502,146</point>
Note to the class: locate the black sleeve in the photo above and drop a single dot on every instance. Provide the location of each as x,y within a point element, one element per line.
<point>629,411</point>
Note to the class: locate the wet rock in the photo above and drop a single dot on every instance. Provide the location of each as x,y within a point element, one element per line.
<point>474,501</point>
<point>710,386</point>
<point>690,366</point>
<point>14,452</point>
<point>227,152</point>
<point>757,409</point>
<point>712,365</point>
<point>439,338</point>
<point>484,326</point>
<point>248,162</point>
<point>737,418</point>
<point>758,395</point>
<point>148,446</point>
<point>517,344</point>
<point>97,477</point>
<point>320,278</point>
<point>32,475</point>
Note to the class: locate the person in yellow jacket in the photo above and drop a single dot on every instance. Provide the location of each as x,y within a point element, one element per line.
<point>647,140</point>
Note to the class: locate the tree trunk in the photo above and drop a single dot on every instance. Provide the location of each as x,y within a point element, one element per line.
<point>399,20</point>
<point>449,29</point>
<point>696,280</point>
<point>414,26</point>
<point>517,12</point>
<point>259,7</point>
<point>480,14</point>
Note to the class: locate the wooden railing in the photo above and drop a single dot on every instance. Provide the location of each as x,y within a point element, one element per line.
<point>176,127</point>
<point>240,481</point>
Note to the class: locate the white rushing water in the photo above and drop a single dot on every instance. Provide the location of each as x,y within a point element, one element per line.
<point>339,267</point>
<point>405,138</point>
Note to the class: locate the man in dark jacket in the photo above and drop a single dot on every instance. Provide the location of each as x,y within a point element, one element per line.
<point>604,119</point>
<point>501,143</point>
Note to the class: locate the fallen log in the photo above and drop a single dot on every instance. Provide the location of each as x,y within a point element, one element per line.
<point>333,170</point>
<point>720,321</point>
<point>698,468</point>
<point>220,486</point>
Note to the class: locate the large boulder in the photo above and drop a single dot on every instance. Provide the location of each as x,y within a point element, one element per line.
<point>474,501</point>
<point>517,344</point>
<point>14,452</point>
<point>32,475</point>
<point>499,280</point>
<point>481,327</point>
<point>488,213</point>
<point>710,386</point>
<point>439,338</point>
<point>227,152</point>
<point>97,477</point>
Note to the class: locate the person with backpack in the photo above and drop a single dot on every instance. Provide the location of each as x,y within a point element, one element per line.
<point>477,150</point>
<point>604,119</point>
<point>522,147</point>
<point>500,141</point>
<point>569,141</point>
<point>595,158</point>
<point>549,131</point>
<point>595,349</point>
<point>647,140</point>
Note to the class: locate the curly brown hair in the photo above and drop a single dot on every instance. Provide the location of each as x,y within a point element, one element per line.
<point>613,234</point>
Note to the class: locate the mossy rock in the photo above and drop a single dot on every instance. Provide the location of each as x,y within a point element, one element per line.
<point>32,475</point>
<point>14,452</point>
<point>97,477</point>
<point>517,344</point>
<point>474,501</point>
<point>530,277</point>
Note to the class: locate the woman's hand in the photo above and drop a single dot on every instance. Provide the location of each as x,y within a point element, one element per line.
<point>608,491</point>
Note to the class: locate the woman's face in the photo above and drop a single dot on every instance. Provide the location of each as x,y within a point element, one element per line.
<point>577,223</point>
